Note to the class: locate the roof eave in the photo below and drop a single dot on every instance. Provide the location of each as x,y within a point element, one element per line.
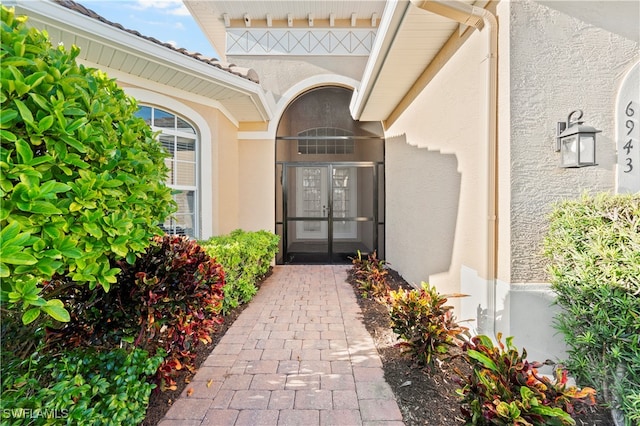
<point>55,15</point>
<point>390,22</point>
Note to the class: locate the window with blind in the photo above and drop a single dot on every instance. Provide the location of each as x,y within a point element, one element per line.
<point>180,139</point>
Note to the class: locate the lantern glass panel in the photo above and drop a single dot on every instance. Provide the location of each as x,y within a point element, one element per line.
<point>569,151</point>
<point>587,149</point>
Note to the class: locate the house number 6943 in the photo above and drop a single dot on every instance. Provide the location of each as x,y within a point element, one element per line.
<point>627,133</point>
<point>628,147</point>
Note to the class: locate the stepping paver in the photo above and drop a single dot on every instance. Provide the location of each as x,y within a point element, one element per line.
<point>297,355</point>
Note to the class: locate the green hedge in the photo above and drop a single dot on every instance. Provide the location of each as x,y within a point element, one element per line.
<point>245,257</point>
<point>593,245</point>
<point>77,387</point>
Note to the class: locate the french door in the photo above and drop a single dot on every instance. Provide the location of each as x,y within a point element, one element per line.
<point>330,209</point>
<point>328,198</point>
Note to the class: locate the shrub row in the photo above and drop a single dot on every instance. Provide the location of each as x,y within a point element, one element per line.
<point>245,258</point>
<point>80,386</point>
<point>83,191</point>
<point>424,323</point>
<point>172,297</point>
<point>593,248</point>
<point>420,318</point>
<point>151,321</point>
<point>370,274</point>
<point>83,185</point>
<point>503,387</point>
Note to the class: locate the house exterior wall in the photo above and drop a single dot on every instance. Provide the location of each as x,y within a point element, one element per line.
<point>279,74</point>
<point>256,185</point>
<point>423,193</point>
<point>504,145</point>
<point>286,78</point>
<point>577,61</point>
<point>436,156</point>
<point>436,171</point>
<point>228,172</point>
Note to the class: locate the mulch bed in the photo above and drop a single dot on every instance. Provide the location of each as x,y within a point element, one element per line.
<point>428,397</point>
<point>425,397</point>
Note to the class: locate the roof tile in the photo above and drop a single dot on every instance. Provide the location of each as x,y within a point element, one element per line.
<point>247,73</point>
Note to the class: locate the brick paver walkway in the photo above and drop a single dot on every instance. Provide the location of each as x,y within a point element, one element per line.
<point>297,355</point>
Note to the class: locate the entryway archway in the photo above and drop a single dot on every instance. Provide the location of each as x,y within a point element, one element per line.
<point>329,180</point>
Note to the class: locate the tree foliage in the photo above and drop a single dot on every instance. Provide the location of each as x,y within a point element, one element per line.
<point>82,178</point>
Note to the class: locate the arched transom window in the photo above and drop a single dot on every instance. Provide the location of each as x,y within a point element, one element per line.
<point>180,139</point>
<point>325,140</point>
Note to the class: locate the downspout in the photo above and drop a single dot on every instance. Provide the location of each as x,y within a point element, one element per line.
<point>479,18</point>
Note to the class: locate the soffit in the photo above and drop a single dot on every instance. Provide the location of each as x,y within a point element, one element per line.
<point>210,14</point>
<point>406,50</point>
<point>110,46</point>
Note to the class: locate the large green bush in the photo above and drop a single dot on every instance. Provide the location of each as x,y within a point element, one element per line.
<point>77,387</point>
<point>82,178</point>
<point>593,246</point>
<point>245,258</point>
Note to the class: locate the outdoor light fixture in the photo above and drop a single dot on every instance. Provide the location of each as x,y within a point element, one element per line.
<point>576,142</point>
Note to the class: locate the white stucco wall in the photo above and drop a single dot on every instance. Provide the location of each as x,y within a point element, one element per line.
<point>423,192</point>
<point>558,58</point>
<point>436,170</point>
<point>561,59</point>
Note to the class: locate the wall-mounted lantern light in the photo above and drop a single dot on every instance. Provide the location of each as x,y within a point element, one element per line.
<point>576,142</point>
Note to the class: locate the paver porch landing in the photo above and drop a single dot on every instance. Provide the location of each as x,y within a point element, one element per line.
<point>299,354</point>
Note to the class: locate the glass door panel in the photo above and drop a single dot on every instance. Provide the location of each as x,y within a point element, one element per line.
<point>307,212</point>
<point>344,202</point>
<point>311,201</point>
<point>353,214</point>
